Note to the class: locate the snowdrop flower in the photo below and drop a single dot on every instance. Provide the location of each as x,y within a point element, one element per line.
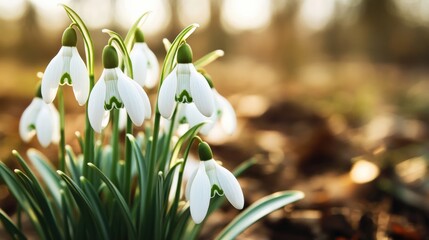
<point>115,90</point>
<point>185,85</point>
<point>66,68</point>
<point>223,116</point>
<point>42,119</point>
<point>145,63</point>
<point>208,180</point>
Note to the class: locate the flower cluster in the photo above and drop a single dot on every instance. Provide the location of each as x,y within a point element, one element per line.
<point>189,90</point>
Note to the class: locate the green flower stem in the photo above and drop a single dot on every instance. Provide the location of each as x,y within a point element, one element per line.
<point>175,203</point>
<point>62,132</point>
<point>89,50</point>
<point>164,164</point>
<point>89,138</point>
<point>167,67</point>
<point>115,143</point>
<point>128,161</point>
<point>115,37</point>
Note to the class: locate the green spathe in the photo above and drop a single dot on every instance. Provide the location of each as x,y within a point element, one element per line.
<point>69,37</point>
<point>184,54</point>
<point>204,151</point>
<point>138,36</point>
<point>110,57</point>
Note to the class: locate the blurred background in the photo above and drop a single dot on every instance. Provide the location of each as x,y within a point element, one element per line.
<point>331,98</point>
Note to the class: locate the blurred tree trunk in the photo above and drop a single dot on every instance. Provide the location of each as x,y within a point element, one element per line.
<point>285,32</point>
<point>217,36</point>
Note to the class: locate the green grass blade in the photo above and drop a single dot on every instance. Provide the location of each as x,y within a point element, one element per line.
<point>74,17</point>
<point>142,181</point>
<point>40,197</point>
<point>20,193</point>
<point>86,207</point>
<point>129,38</point>
<point>170,57</point>
<point>72,164</point>
<point>10,226</point>
<point>208,58</point>
<point>159,206</point>
<point>34,202</point>
<point>258,210</point>
<point>123,207</point>
<point>47,173</point>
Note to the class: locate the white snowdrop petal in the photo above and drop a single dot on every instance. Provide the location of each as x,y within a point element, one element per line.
<point>139,62</point>
<point>80,78</point>
<point>153,67</point>
<point>146,103</point>
<point>28,118</point>
<point>201,93</point>
<point>96,112</point>
<point>122,119</point>
<point>194,117</point>
<point>44,125</point>
<point>199,196</point>
<point>106,117</point>
<point>228,119</point>
<point>51,78</point>
<point>56,123</point>
<point>131,98</point>
<point>230,187</point>
<point>189,184</point>
<point>166,97</point>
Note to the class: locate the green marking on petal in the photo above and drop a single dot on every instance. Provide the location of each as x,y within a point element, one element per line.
<point>31,127</point>
<point>66,79</point>
<point>216,190</point>
<point>183,120</point>
<point>113,103</point>
<point>184,97</point>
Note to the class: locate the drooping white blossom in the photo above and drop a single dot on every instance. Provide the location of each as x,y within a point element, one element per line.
<point>208,180</point>
<point>66,68</point>
<point>145,64</point>
<point>40,119</point>
<point>185,85</point>
<point>116,90</point>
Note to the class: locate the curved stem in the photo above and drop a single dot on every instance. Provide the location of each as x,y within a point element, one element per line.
<point>128,161</point>
<point>62,132</point>
<point>115,143</point>
<point>89,50</point>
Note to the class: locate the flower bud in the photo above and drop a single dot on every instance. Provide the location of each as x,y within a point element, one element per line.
<point>184,54</point>
<point>204,151</point>
<point>69,37</point>
<point>110,57</point>
<point>207,77</point>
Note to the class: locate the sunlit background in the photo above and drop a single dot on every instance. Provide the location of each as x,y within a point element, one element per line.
<point>331,98</point>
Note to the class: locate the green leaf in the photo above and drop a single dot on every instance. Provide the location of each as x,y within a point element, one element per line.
<point>123,207</point>
<point>171,54</point>
<point>72,164</point>
<point>47,173</point>
<point>258,210</point>
<point>89,46</point>
<point>118,39</point>
<point>40,196</point>
<point>37,204</point>
<point>129,38</point>
<point>86,207</point>
<point>20,193</point>
<point>10,226</point>
<point>142,180</point>
<point>208,58</point>
<point>159,206</point>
